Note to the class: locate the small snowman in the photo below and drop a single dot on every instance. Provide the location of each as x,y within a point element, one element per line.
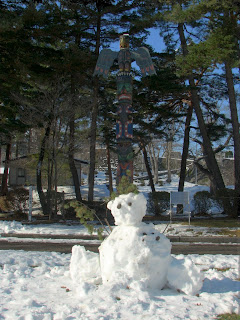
<point>134,250</point>
<point>134,253</point>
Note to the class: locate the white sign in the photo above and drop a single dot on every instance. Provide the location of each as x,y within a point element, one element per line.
<point>179,197</point>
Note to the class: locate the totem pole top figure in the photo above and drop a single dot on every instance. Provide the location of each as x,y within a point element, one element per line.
<point>125,57</point>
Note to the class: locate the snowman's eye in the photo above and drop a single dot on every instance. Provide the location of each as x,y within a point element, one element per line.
<point>129,203</point>
<point>119,206</point>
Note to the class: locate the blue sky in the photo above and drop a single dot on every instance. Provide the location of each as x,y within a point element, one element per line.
<point>156,41</point>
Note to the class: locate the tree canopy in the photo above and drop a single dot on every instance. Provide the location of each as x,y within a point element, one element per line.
<point>48,51</point>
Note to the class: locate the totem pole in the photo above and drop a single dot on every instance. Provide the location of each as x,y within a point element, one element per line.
<point>124,126</point>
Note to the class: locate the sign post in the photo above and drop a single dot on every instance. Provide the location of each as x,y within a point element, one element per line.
<point>30,201</point>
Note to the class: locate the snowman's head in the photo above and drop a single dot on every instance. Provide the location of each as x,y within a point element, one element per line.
<point>128,209</point>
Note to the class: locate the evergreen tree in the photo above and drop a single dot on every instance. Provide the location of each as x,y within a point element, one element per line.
<point>158,103</point>
<point>176,20</point>
<point>223,41</point>
<point>10,124</point>
<point>219,47</point>
<point>107,117</point>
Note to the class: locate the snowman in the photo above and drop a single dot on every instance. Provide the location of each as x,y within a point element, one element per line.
<point>134,250</point>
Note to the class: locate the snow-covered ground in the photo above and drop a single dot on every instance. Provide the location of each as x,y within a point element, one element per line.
<point>101,192</point>
<point>175,229</point>
<point>38,285</point>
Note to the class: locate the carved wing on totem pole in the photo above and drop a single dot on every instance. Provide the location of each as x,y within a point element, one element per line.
<point>104,62</point>
<point>144,61</point>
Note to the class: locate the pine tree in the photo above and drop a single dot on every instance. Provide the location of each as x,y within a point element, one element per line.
<point>10,123</point>
<point>220,47</point>
<point>107,119</point>
<point>175,17</point>
<point>158,103</point>
<point>225,38</point>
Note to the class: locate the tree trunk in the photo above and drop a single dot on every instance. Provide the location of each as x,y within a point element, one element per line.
<point>208,151</point>
<point>93,135</point>
<point>71,162</point>
<point>154,162</point>
<point>29,143</point>
<point>236,134</point>
<point>75,177</point>
<point>184,155</point>
<point>185,149</point>
<point>55,185</point>
<point>41,194</point>
<point>17,149</point>
<point>150,178</point>
<point>142,147</point>
<point>93,129</point>
<point>49,188</point>
<point>169,152</point>
<point>213,188</point>
<point>109,170</point>
<point>4,188</point>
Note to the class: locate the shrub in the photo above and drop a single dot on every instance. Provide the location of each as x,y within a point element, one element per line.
<point>202,202</point>
<point>231,205</point>
<point>4,204</point>
<point>158,202</point>
<point>85,214</point>
<point>124,187</point>
<point>17,198</point>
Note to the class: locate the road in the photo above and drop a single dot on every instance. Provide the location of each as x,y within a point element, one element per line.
<point>180,245</point>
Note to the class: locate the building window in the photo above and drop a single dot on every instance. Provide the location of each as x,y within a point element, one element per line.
<point>21,172</point>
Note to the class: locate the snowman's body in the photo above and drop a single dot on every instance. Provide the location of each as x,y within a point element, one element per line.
<point>134,250</point>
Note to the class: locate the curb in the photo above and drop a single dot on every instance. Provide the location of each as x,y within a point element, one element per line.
<point>216,240</point>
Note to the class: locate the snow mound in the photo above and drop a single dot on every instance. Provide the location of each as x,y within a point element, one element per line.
<point>184,276</point>
<point>84,266</point>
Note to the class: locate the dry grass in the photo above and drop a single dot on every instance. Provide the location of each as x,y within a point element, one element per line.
<point>217,269</point>
<point>214,223</point>
<point>222,269</point>
<point>230,233</point>
<point>199,233</point>
<point>228,316</point>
